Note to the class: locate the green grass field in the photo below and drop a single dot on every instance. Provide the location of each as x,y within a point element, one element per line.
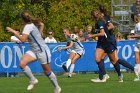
<point>79,83</point>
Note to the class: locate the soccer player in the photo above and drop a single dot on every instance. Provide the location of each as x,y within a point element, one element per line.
<point>75,54</point>
<point>38,51</point>
<point>137,46</point>
<point>110,26</point>
<point>104,46</point>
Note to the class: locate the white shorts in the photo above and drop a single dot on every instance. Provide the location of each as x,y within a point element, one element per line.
<point>44,57</point>
<point>81,52</point>
<point>136,49</point>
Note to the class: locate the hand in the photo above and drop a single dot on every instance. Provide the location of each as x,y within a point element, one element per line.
<point>9,29</point>
<point>59,49</point>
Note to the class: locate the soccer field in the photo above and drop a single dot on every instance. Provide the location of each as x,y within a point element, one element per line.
<point>79,83</point>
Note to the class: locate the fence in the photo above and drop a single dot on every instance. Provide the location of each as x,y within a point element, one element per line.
<point>10,53</point>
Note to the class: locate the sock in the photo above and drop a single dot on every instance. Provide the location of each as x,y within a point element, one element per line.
<point>68,63</point>
<point>117,68</point>
<point>71,69</point>
<point>104,71</point>
<point>101,69</point>
<point>53,79</point>
<point>125,64</point>
<point>28,73</point>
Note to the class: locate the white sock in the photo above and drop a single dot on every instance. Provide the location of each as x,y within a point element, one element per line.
<point>68,63</point>
<point>71,69</point>
<point>28,73</point>
<point>53,79</point>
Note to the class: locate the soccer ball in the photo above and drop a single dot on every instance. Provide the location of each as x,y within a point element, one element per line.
<point>74,37</point>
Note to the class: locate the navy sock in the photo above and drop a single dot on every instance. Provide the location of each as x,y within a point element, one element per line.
<point>117,68</point>
<point>104,71</point>
<point>125,64</point>
<point>101,69</point>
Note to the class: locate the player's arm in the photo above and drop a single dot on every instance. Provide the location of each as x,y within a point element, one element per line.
<point>110,26</point>
<point>22,38</point>
<point>69,46</point>
<point>102,33</point>
<point>41,27</point>
<point>66,47</point>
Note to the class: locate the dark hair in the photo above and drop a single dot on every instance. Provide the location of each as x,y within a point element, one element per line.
<point>27,18</point>
<point>97,15</point>
<point>103,9</point>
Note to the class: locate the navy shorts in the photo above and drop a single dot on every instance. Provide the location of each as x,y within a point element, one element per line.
<point>108,48</point>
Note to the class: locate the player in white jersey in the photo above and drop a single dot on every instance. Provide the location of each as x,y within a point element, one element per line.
<point>75,54</point>
<point>137,46</point>
<point>38,51</point>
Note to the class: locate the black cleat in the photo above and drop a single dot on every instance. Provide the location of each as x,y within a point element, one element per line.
<point>69,76</point>
<point>65,68</point>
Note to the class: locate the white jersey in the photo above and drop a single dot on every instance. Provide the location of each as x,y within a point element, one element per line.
<point>52,40</point>
<point>137,31</point>
<point>37,43</point>
<point>77,47</point>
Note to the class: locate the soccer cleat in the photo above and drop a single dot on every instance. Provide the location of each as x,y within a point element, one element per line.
<point>98,80</point>
<point>65,68</point>
<point>106,76</point>
<point>69,76</point>
<point>120,78</point>
<point>136,79</point>
<point>31,85</point>
<point>57,90</point>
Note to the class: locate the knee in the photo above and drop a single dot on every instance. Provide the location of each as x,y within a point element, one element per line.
<point>98,60</point>
<point>22,64</point>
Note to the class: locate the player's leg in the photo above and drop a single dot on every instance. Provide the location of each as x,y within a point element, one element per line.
<point>125,63</point>
<point>76,57</point>
<point>26,59</point>
<point>68,62</point>
<point>137,65</point>
<point>114,59</point>
<point>98,57</point>
<point>45,59</point>
<point>103,57</point>
<point>52,77</point>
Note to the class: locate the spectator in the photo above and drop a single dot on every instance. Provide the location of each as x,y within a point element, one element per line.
<point>81,35</point>
<point>89,31</point>
<point>50,38</point>
<point>118,36</point>
<point>76,30</point>
<point>135,9</point>
<point>131,33</point>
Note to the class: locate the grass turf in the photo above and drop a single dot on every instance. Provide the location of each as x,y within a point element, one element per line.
<point>79,83</point>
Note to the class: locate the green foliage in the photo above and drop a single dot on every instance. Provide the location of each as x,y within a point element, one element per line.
<point>59,14</point>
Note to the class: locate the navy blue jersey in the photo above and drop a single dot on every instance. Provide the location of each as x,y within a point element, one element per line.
<point>98,26</point>
<point>112,36</point>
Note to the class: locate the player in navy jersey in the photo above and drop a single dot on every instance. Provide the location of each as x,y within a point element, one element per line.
<point>75,54</point>
<point>112,39</point>
<point>38,51</point>
<point>104,45</point>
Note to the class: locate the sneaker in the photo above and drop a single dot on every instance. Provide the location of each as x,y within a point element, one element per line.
<point>31,85</point>
<point>136,79</point>
<point>106,76</point>
<point>98,80</point>
<point>120,78</point>
<point>57,90</point>
<point>69,76</point>
<point>65,68</point>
